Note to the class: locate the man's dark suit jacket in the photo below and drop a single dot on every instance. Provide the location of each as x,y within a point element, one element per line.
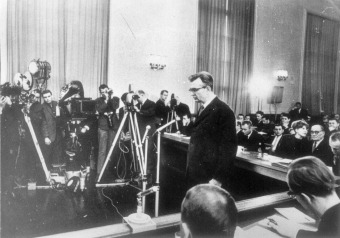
<point>51,125</point>
<point>213,144</point>
<point>292,148</point>
<point>253,143</point>
<point>323,151</point>
<point>146,116</point>
<point>270,141</point>
<point>161,112</point>
<point>329,225</point>
<point>296,115</point>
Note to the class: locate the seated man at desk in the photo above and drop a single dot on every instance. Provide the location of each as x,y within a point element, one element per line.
<point>208,211</point>
<point>275,140</point>
<point>251,140</point>
<point>186,126</point>
<point>313,185</point>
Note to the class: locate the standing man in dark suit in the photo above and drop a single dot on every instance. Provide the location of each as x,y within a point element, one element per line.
<point>52,127</point>
<point>162,109</point>
<point>213,142</point>
<point>108,123</point>
<point>319,145</point>
<point>298,113</point>
<point>146,116</point>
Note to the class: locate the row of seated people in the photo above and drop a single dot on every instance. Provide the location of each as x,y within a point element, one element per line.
<point>292,145</point>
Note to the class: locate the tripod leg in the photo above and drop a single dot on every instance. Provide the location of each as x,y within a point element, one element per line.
<point>112,146</point>
<point>157,173</point>
<point>139,141</point>
<point>136,144</point>
<point>132,152</point>
<point>176,120</point>
<point>36,144</point>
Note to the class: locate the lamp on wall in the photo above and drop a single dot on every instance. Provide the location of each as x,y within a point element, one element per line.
<point>157,62</point>
<point>282,75</point>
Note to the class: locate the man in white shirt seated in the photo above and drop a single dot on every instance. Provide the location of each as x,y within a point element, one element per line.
<point>275,140</point>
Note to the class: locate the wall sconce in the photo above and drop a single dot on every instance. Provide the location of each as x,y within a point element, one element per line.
<point>39,69</point>
<point>157,62</point>
<point>282,75</point>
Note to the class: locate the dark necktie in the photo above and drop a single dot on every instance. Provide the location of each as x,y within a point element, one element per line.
<point>200,110</point>
<point>314,146</point>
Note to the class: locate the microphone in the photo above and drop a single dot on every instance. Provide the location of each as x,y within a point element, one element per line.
<point>149,191</point>
<point>146,132</point>
<point>162,127</point>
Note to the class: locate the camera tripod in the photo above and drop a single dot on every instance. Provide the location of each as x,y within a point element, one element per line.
<point>135,141</point>
<point>172,116</point>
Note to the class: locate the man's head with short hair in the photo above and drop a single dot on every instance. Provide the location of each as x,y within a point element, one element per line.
<point>240,117</point>
<point>142,96</point>
<point>164,95</point>
<point>246,127</point>
<point>313,184</point>
<point>285,118</point>
<point>317,132</point>
<point>208,211</point>
<point>247,117</point>
<point>278,130</point>
<point>47,96</point>
<point>311,176</point>
<point>201,86</point>
<point>259,115</point>
<point>333,124</point>
<point>334,143</point>
<point>298,105</point>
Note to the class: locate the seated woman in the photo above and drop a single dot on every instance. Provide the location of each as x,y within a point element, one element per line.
<point>294,146</point>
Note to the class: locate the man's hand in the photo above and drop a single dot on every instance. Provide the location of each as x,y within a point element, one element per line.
<point>47,141</point>
<point>215,182</point>
<point>136,108</point>
<point>283,226</point>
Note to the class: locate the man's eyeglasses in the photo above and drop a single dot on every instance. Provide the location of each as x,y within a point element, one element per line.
<point>315,132</point>
<point>194,90</point>
<point>291,194</point>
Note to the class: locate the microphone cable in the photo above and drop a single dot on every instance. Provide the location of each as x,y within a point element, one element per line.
<point>112,203</point>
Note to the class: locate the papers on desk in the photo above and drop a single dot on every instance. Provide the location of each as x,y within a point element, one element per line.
<point>177,135</point>
<point>283,163</point>
<point>295,218</point>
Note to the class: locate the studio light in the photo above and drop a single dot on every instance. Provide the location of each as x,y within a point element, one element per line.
<point>39,69</point>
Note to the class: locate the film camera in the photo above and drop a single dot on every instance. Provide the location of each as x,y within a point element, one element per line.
<point>173,102</point>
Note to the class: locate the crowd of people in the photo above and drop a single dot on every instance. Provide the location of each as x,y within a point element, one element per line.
<point>294,135</point>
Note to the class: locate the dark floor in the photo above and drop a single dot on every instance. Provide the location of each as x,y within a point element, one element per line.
<point>50,211</point>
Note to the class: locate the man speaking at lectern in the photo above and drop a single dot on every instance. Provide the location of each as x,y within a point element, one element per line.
<point>213,142</point>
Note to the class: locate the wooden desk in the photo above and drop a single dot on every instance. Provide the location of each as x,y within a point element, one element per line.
<point>247,161</point>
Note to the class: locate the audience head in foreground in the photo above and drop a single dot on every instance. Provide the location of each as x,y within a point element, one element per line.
<point>312,183</point>
<point>208,211</point>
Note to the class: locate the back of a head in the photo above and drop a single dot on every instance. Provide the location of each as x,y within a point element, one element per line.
<point>209,211</point>
<point>310,175</point>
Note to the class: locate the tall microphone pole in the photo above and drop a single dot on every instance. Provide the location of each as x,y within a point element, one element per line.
<point>162,127</point>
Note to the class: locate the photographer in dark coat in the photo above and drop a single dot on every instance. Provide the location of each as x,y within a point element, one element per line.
<point>108,123</point>
<point>213,142</point>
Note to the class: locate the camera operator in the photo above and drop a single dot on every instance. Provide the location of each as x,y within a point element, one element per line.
<point>10,136</point>
<point>108,123</point>
<point>146,117</point>
<point>53,126</point>
<point>162,109</point>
